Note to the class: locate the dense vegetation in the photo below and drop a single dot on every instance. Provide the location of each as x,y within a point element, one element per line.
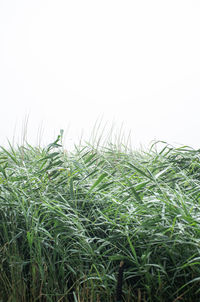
<point>68,219</point>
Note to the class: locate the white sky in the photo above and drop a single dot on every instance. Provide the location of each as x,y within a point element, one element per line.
<point>66,64</point>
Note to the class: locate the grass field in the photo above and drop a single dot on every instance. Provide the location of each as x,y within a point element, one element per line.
<point>67,220</point>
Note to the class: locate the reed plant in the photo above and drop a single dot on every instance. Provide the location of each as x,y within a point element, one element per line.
<point>68,219</point>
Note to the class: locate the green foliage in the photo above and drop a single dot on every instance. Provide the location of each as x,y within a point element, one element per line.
<point>68,219</point>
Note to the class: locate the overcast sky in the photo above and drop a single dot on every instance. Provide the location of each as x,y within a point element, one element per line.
<point>66,64</point>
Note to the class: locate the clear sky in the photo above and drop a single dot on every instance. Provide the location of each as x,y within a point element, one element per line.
<point>66,64</point>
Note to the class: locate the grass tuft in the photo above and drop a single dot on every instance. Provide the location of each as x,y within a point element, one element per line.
<point>67,220</point>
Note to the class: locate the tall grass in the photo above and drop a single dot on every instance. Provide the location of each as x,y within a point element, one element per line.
<point>68,219</point>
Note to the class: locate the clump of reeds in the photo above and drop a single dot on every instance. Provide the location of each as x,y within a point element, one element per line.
<point>68,219</point>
